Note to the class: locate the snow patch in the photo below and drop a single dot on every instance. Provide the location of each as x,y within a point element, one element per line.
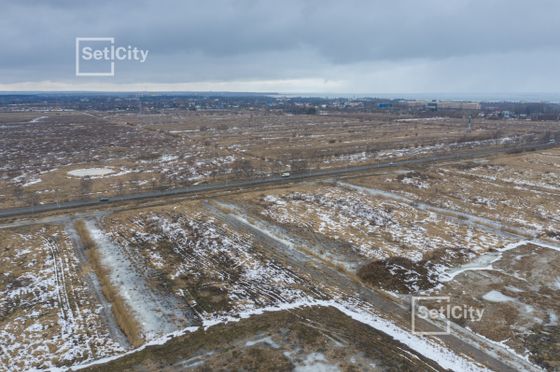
<point>32,182</point>
<point>496,296</point>
<point>556,283</point>
<point>316,362</point>
<point>40,118</point>
<point>90,172</point>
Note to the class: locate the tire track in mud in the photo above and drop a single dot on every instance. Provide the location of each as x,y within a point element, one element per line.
<point>281,245</point>
<point>61,293</point>
<point>69,311</point>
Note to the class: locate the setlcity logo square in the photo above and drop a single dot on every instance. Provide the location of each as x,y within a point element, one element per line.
<point>97,56</point>
<point>437,309</point>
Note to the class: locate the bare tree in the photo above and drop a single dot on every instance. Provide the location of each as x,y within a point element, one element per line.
<point>18,191</point>
<point>120,187</point>
<point>163,181</point>
<point>135,181</point>
<point>86,186</point>
<point>154,184</point>
<point>299,166</point>
<point>57,196</point>
<point>243,168</point>
<point>33,200</point>
<point>247,168</point>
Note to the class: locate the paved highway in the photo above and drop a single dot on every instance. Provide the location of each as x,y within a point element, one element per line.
<point>274,180</point>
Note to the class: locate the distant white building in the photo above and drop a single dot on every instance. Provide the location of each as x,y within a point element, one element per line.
<point>458,105</point>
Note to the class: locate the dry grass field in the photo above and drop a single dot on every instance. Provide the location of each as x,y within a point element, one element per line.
<point>305,274</point>
<point>312,338</point>
<point>153,151</point>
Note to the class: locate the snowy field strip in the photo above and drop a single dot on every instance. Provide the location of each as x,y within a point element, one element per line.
<point>543,244</point>
<point>146,305</point>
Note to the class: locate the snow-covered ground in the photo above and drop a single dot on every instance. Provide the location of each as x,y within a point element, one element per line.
<point>496,296</point>
<point>212,268</point>
<point>38,119</point>
<point>91,172</point>
<point>156,313</point>
<point>378,225</point>
<point>48,315</point>
<point>417,151</point>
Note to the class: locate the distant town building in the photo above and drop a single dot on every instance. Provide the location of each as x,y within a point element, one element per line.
<point>432,106</point>
<point>384,105</point>
<point>415,104</point>
<point>458,105</point>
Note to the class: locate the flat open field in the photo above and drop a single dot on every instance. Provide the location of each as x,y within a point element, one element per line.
<point>315,274</point>
<point>521,191</point>
<point>83,155</point>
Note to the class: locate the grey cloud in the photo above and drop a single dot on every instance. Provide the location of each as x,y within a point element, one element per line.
<point>250,39</point>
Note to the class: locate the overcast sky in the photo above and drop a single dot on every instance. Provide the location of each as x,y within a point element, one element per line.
<point>322,46</point>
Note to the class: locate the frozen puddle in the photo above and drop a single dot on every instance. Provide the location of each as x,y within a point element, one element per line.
<point>157,314</point>
<point>90,172</point>
<point>484,262</point>
<point>496,296</point>
<point>263,340</point>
